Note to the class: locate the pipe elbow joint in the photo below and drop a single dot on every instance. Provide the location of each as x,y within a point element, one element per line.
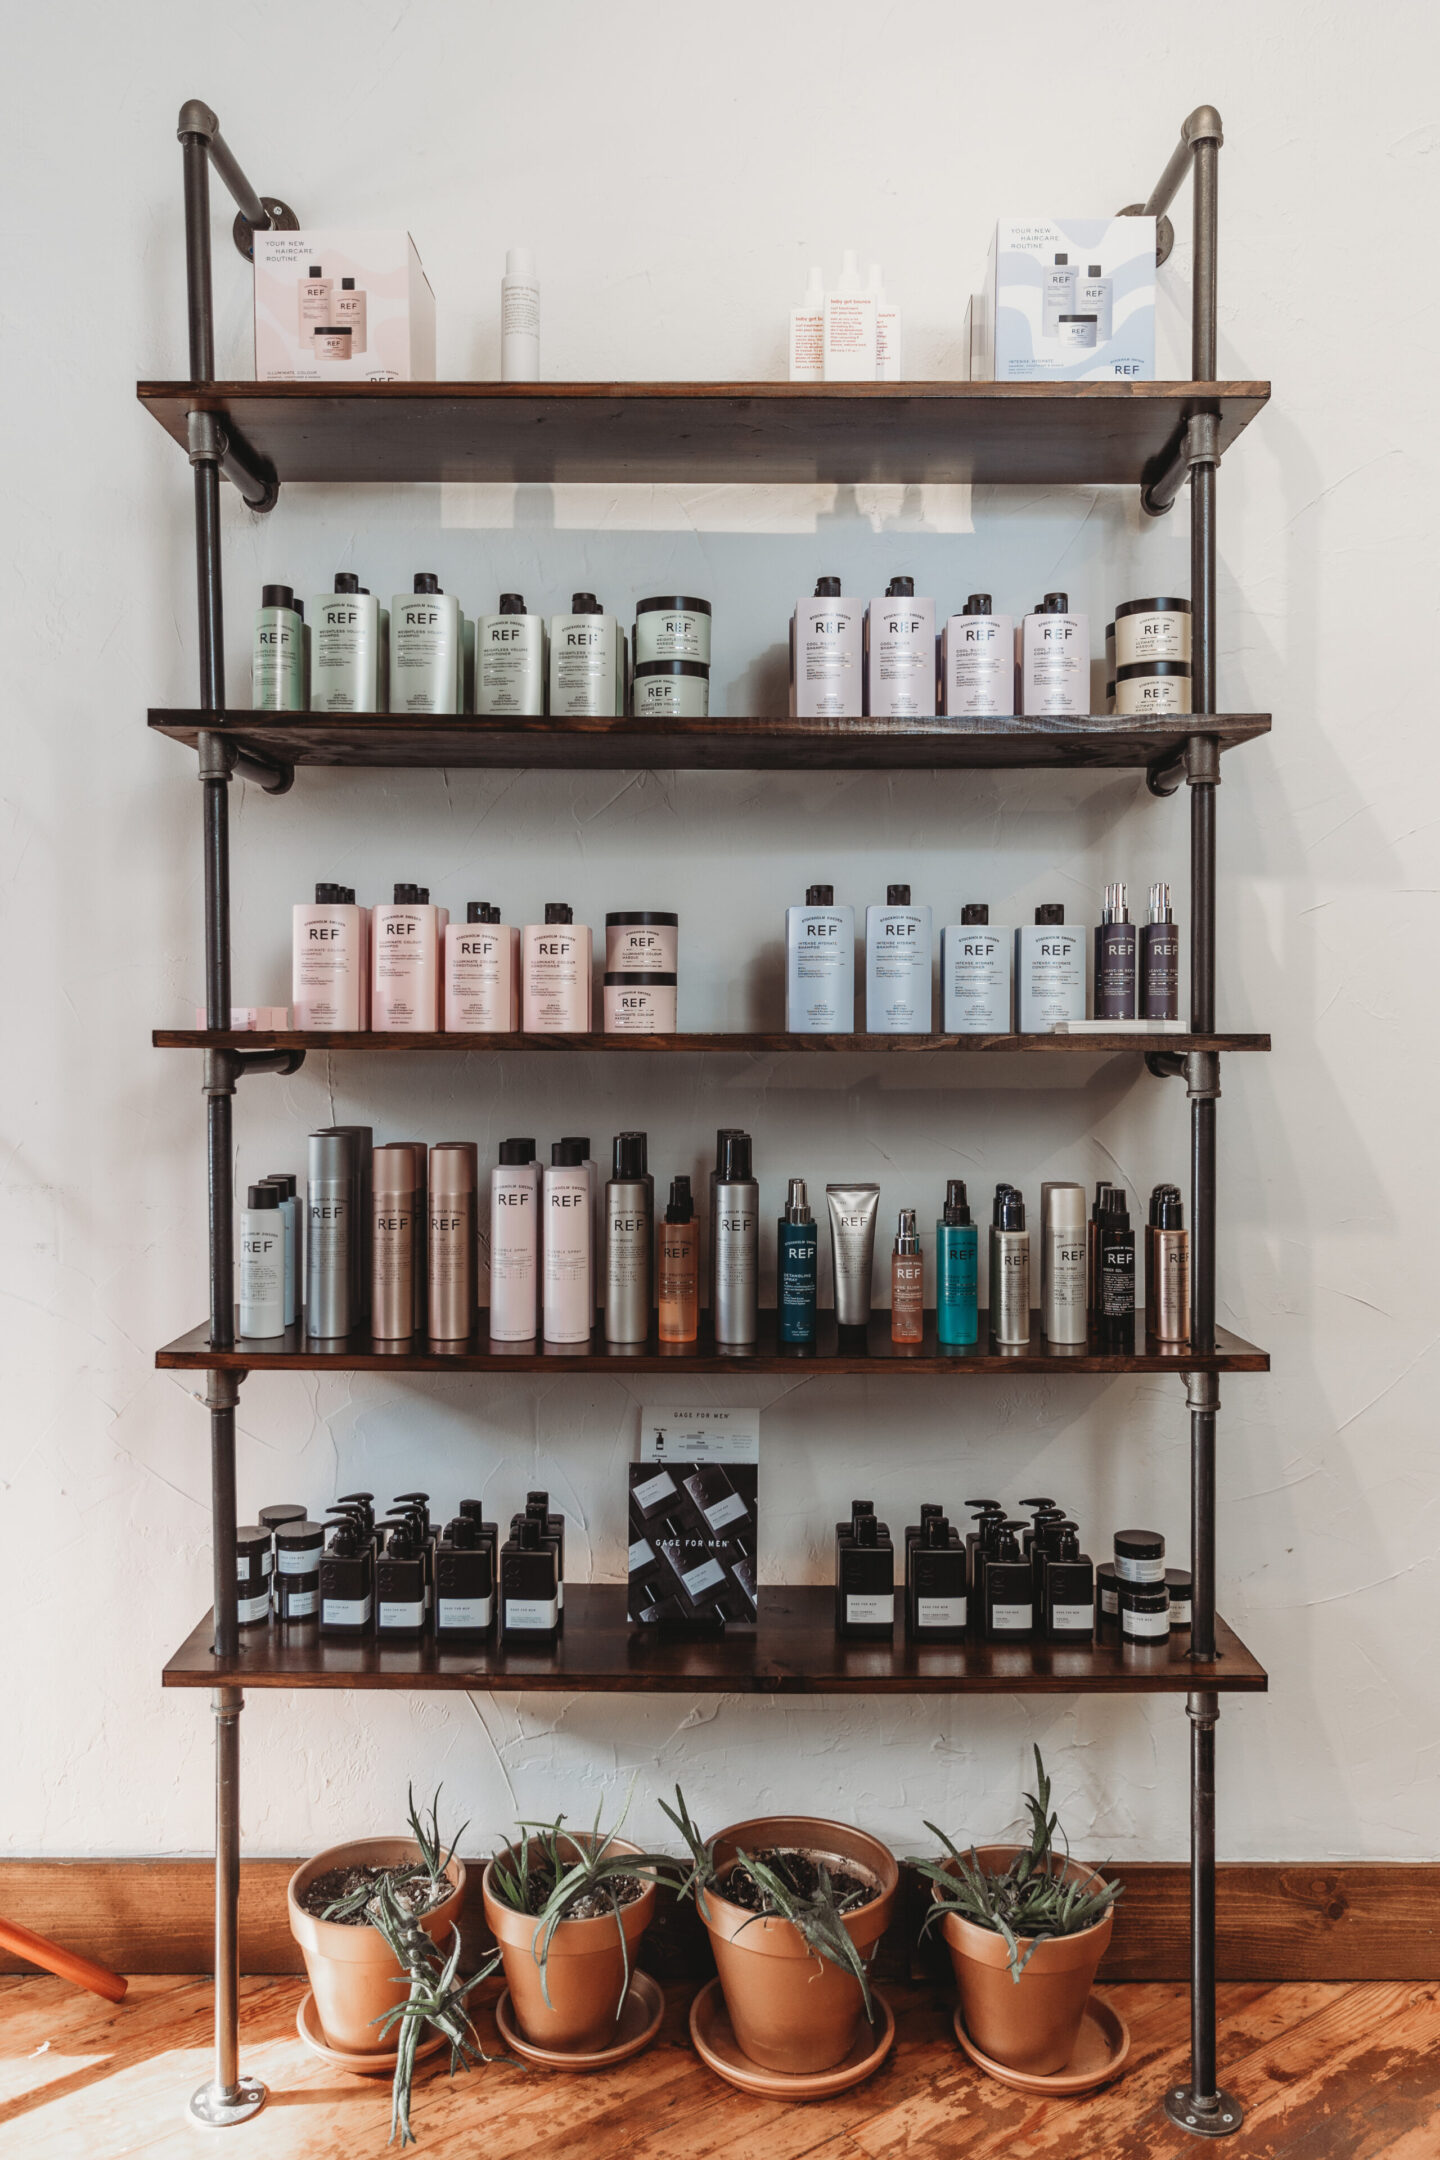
<point>1203,125</point>
<point>196,118</point>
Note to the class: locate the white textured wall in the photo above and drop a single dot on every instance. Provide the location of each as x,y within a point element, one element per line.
<point>676,173</point>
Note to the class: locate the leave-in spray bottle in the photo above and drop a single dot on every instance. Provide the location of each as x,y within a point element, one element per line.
<point>1160,960</point>
<point>907,1283</point>
<point>957,1271</point>
<point>796,1255</point>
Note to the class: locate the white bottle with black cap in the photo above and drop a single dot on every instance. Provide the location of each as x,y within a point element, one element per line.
<point>820,965</point>
<point>587,665</point>
<point>1049,971</point>
<point>827,664</point>
<point>515,1243</point>
<point>510,661</point>
<point>978,662</point>
<point>283,1186</point>
<point>897,966</point>
<point>426,649</point>
<point>262,1264</point>
<point>1055,659</point>
<point>277,667</point>
<point>900,654</point>
<point>1057,293</point>
<point>975,974</point>
<point>345,672</point>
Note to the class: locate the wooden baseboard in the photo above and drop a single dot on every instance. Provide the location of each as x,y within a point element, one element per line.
<point>1275,1921</point>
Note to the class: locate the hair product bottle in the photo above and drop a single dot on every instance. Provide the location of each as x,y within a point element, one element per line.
<point>978,662</point>
<point>1063,1313</point>
<point>454,1182</point>
<point>679,1269</point>
<point>807,332</point>
<point>1049,972</point>
<point>827,670</point>
<point>1055,659</point>
<point>515,1244</point>
<point>393,1198</point>
<point>865,1582</point>
<point>327,963</point>
<point>330,1231</point>
<point>345,672</point>
<point>1096,296</point>
<point>1068,1594</point>
<point>629,1243</point>
<point>957,1272</point>
<point>897,966</point>
<point>1057,294</point>
<point>425,649</point>
<point>464,1583</point>
<point>735,1245</point>
<point>1167,1284</point>
<point>935,1584</point>
<point>1115,1315</point>
<point>284,1187</point>
<point>1009,1588</point>
<point>520,319</point>
<point>587,667</point>
<point>262,1264</point>
<point>558,973</point>
<point>313,304</point>
<point>510,659</point>
<point>900,654</point>
<point>975,974</point>
<point>568,1298</point>
<point>1009,1268</point>
<point>277,670</point>
<point>1160,960</point>
<point>907,1283</point>
<point>820,965</point>
<point>405,987</point>
<point>1115,952</point>
<point>796,1263</point>
<point>482,973</point>
<point>529,1585</point>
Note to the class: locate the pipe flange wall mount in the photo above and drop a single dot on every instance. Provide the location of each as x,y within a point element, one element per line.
<point>282,219</point>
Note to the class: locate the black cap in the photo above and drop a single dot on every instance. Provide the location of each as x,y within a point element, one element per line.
<point>315,270</point>
<point>975,911</point>
<point>1116,1209</point>
<point>582,1141</point>
<point>538,1498</point>
<point>277,596</point>
<point>347,284</point>
<point>1062,258</point>
<point>481,911</point>
<point>407,895</point>
<point>957,1202</point>
<point>935,1530</point>
<point>559,911</point>
<point>283,1182</point>
<point>1056,603</point>
<point>347,895</point>
<point>627,1155</point>
<point>900,588</point>
<point>819,896</point>
<point>827,588</point>
<point>682,1207</point>
<point>325,894</point>
<point>263,1196</point>
<point>1094,271</point>
<point>515,1154</point>
<point>735,1158</point>
<point>346,581</point>
<point>977,604</point>
<point>1170,1214</point>
<point>1050,911</point>
<point>585,603</point>
<point>426,582</point>
<point>421,894</point>
<point>1009,1209</point>
<point>529,1532</point>
<point>512,603</point>
<point>897,896</point>
<point>867,1530</point>
<point>462,1533</point>
<point>566,1154</point>
<point>722,1134</point>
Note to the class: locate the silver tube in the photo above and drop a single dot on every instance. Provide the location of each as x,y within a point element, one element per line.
<point>331,1186</point>
<point>853,1209</point>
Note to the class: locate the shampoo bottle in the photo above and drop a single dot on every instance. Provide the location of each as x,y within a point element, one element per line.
<point>405,984</point>
<point>277,669</point>
<point>1049,972</point>
<point>519,320</point>
<point>510,660</point>
<point>587,669</point>
<point>957,1272</point>
<point>897,966</point>
<point>807,332</point>
<point>820,965</point>
<point>850,337</point>
<point>900,654</point>
<point>425,649</point>
<point>287,1198</point>
<point>482,973</point>
<point>345,676</point>
<point>978,662</point>
<point>1055,659</point>
<point>827,655</point>
<point>975,974</point>
<point>796,1260</point>
<point>327,963</point>
<point>262,1264</point>
<point>558,973</point>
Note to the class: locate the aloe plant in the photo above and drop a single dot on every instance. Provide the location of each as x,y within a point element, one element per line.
<point>575,1867</point>
<point>818,1913</point>
<point>1034,1899</point>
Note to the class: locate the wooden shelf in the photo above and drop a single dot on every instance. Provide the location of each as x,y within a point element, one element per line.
<point>726,433</point>
<point>872,1353</point>
<point>1106,740</point>
<point>1096,1045</point>
<point>793,1651</point>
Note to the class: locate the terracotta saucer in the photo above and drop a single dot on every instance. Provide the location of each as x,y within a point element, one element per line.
<point>1101,2052</point>
<point>639,2023</point>
<point>715,2043</point>
<point>307,2024</point>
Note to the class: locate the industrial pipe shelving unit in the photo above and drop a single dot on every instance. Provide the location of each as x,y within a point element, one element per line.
<point>1154,435</point>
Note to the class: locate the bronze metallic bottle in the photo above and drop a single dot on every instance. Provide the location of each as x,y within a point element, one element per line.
<point>1167,1312</point>
<point>392,1242</point>
<point>454,1183</point>
<point>679,1267</point>
<point>907,1283</point>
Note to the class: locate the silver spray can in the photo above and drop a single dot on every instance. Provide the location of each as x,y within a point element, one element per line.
<point>329,1235</point>
<point>1009,1268</point>
<point>735,1244</point>
<point>629,1239</point>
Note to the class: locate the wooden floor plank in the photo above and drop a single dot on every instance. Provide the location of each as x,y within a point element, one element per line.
<point>1325,2071</point>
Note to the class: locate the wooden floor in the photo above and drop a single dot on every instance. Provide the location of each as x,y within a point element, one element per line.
<point>1325,2071</point>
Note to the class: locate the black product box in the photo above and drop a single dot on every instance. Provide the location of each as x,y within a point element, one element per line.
<point>694,1540</point>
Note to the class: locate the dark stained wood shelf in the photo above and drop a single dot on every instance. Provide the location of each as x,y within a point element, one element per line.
<point>1106,740</point>
<point>793,1651</point>
<point>872,1353</point>
<point>1092,1045</point>
<point>730,433</point>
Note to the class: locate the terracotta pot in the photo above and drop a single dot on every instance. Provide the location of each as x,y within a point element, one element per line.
<point>790,2009</point>
<point>584,1971</point>
<point>354,1975</point>
<point>1031,2024</point>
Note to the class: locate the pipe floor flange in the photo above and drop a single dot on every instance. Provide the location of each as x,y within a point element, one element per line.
<point>218,2110</point>
<point>1220,2117</point>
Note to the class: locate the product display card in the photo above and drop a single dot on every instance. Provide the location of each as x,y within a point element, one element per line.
<point>694,1540</point>
<point>730,1436</point>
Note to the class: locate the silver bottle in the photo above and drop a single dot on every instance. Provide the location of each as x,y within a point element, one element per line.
<point>734,1244</point>
<point>330,1235</point>
<point>629,1241</point>
<point>1009,1268</point>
